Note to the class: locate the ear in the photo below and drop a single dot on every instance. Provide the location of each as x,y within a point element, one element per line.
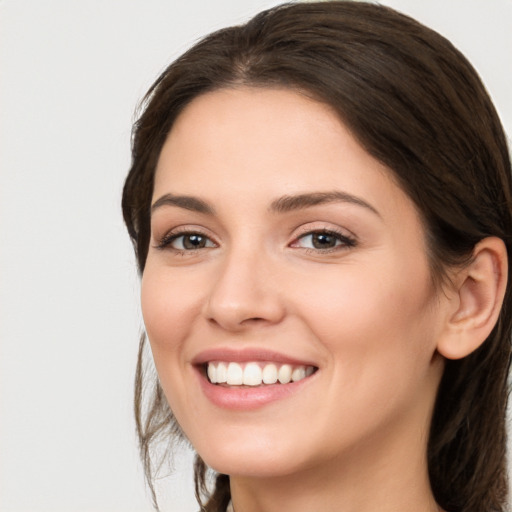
<point>477,293</point>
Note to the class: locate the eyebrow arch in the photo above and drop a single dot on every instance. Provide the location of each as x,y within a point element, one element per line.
<point>281,205</point>
<point>297,202</point>
<point>187,202</point>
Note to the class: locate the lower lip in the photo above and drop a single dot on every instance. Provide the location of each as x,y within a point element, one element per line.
<point>248,398</point>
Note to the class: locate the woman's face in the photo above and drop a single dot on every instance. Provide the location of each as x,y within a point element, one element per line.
<point>281,249</point>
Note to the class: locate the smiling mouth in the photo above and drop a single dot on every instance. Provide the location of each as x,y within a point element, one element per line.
<point>253,374</point>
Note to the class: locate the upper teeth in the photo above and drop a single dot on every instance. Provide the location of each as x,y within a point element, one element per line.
<point>255,374</point>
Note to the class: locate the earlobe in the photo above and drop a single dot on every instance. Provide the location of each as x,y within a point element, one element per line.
<point>478,290</point>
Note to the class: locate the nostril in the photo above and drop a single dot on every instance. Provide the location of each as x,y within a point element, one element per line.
<point>254,322</point>
<point>233,312</point>
<point>246,321</point>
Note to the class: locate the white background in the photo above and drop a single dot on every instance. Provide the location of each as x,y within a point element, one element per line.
<point>71,73</point>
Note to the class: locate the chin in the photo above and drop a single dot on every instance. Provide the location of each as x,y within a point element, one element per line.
<point>259,466</point>
<point>258,457</point>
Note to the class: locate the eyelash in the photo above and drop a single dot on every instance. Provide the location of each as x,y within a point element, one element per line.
<point>345,241</point>
<point>166,241</point>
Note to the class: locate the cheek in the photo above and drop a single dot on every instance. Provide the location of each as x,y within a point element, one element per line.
<point>380,315</point>
<point>167,308</point>
<point>377,331</point>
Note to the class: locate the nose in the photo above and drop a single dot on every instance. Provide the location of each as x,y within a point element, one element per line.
<point>245,293</point>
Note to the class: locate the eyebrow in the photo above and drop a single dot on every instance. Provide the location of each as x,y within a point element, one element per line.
<point>297,202</point>
<point>187,202</point>
<point>281,205</point>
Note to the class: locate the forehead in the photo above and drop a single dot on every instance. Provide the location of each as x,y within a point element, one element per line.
<point>227,120</point>
<point>249,142</point>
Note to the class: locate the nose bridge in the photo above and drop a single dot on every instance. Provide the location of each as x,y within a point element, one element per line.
<point>244,290</point>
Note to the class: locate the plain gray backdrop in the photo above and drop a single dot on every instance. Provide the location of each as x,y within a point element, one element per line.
<point>71,74</point>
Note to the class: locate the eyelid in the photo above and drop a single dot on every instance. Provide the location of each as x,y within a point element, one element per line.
<point>323,227</point>
<point>347,238</point>
<point>165,241</point>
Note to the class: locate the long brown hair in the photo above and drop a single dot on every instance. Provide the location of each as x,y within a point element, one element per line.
<point>415,103</point>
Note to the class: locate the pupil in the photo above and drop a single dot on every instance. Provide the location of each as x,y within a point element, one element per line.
<point>194,242</point>
<point>323,241</point>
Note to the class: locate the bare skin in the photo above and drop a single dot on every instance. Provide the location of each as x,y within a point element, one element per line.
<point>336,279</point>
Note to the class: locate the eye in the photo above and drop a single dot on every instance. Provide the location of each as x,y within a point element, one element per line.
<point>323,240</point>
<point>186,241</point>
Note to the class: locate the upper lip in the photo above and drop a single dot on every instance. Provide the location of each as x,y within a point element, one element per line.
<point>247,355</point>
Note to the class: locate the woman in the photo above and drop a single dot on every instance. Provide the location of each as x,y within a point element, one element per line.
<point>321,207</point>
